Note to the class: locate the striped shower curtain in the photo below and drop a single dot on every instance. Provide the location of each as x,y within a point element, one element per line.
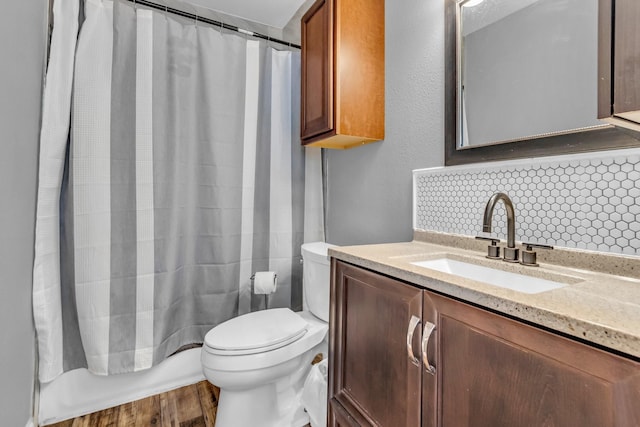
<point>184,175</point>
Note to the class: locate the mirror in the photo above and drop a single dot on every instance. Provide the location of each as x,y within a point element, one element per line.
<point>509,74</point>
<point>522,80</point>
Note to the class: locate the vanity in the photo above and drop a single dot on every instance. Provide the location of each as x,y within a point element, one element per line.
<point>414,346</point>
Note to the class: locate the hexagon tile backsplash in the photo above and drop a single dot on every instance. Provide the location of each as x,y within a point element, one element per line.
<point>585,201</point>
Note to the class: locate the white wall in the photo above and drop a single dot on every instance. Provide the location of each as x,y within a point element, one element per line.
<point>369,187</point>
<point>22,44</point>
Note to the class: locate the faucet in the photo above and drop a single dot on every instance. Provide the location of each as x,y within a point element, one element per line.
<point>510,252</point>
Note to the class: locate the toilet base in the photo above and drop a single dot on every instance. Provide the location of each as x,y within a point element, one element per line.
<point>262,406</point>
<point>274,404</point>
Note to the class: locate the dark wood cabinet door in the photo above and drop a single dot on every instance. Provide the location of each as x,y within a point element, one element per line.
<point>496,372</point>
<point>430,398</point>
<point>316,113</point>
<point>373,382</point>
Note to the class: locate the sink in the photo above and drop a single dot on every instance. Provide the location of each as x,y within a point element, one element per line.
<point>491,276</point>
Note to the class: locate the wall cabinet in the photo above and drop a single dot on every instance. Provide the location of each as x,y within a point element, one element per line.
<point>619,62</point>
<point>342,93</point>
<point>404,356</point>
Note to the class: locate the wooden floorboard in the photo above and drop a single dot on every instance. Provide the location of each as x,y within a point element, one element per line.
<point>190,406</point>
<point>209,402</point>
<point>126,414</point>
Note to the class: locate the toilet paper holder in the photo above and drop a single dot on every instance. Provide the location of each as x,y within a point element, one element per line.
<point>253,276</point>
<point>266,297</point>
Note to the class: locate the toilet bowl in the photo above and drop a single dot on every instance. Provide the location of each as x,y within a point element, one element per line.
<point>260,360</point>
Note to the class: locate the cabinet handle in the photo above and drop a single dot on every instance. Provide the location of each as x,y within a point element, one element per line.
<point>426,334</point>
<point>413,323</point>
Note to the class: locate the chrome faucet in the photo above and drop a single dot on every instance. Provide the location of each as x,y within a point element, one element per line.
<point>510,252</point>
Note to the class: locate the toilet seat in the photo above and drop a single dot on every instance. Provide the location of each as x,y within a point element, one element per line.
<point>224,361</point>
<point>256,332</point>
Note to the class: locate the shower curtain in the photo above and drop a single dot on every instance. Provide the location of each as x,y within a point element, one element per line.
<point>184,175</point>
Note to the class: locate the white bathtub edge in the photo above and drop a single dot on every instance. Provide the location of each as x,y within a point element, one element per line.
<point>79,392</point>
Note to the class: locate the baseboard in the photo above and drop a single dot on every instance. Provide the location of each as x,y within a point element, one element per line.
<point>79,392</point>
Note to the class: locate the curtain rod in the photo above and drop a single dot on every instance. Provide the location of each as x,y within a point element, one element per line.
<point>212,22</point>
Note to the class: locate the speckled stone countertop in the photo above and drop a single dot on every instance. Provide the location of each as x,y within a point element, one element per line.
<point>597,307</point>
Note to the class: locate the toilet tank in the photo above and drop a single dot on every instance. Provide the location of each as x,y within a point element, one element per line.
<point>316,278</point>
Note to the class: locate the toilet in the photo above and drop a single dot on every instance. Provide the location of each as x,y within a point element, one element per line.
<point>260,360</point>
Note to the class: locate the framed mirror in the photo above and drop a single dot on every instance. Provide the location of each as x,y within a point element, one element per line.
<point>522,80</point>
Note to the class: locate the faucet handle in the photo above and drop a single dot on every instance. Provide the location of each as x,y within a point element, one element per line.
<point>493,251</point>
<point>536,245</point>
<point>529,255</point>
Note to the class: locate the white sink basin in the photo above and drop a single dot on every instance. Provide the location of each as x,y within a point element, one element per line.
<point>491,276</point>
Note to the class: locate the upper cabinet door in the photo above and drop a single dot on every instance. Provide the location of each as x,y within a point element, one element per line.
<point>317,65</point>
<point>342,94</point>
<point>619,62</point>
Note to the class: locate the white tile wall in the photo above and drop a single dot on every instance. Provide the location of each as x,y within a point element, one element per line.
<point>587,201</point>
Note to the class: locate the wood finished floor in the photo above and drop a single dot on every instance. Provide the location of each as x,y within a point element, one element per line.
<point>191,406</point>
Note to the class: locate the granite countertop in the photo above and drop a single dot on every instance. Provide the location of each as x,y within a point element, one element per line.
<point>597,307</point>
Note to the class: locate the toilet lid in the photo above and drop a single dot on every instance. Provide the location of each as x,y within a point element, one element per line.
<point>256,332</point>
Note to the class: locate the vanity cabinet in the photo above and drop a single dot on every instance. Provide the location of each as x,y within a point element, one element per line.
<point>619,62</point>
<point>488,370</point>
<point>372,381</point>
<point>342,82</point>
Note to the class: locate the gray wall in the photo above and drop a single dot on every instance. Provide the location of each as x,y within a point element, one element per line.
<point>22,44</point>
<point>369,188</point>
